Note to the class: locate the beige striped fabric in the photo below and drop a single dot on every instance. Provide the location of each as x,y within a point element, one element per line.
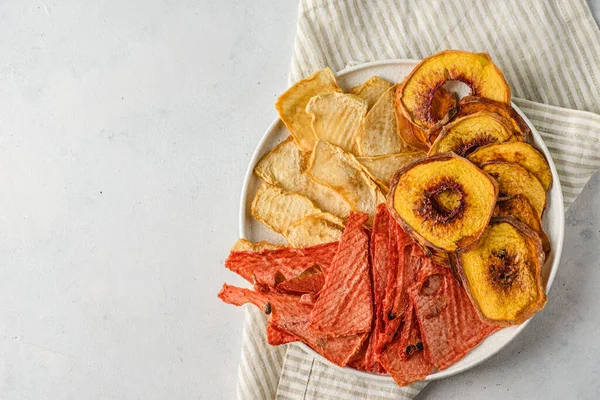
<point>305,376</point>
<point>549,51</point>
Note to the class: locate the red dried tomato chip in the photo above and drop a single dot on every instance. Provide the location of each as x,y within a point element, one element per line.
<point>344,306</point>
<point>290,315</point>
<point>448,321</point>
<point>270,267</point>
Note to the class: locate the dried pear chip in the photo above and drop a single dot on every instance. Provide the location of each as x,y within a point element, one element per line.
<point>246,245</point>
<point>382,168</point>
<point>285,166</point>
<point>371,90</point>
<point>336,118</point>
<point>292,103</point>
<point>378,134</point>
<point>315,229</point>
<point>278,209</point>
<point>339,170</point>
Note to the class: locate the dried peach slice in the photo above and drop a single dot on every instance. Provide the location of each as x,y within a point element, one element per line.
<point>476,70</point>
<point>465,135</point>
<point>443,108</point>
<point>502,273</point>
<point>472,104</point>
<point>443,202</point>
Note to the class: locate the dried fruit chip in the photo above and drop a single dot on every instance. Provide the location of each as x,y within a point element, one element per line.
<point>291,105</point>
<point>520,208</point>
<point>331,166</point>
<point>336,118</point>
<point>472,104</point>
<point>410,258</point>
<point>449,323</point>
<point>465,135</point>
<point>278,209</point>
<point>371,90</point>
<point>445,202</point>
<point>502,273</point>
<point>359,359</point>
<point>520,152</point>
<point>391,313</point>
<point>245,245</point>
<point>382,168</point>
<point>381,242</point>
<point>315,229</point>
<point>513,179</point>
<point>270,267</point>
<point>443,109</point>
<point>310,280</point>
<point>378,134</point>
<point>291,316</point>
<point>285,166</point>
<point>405,358</point>
<point>276,336</point>
<point>344,306</point>
<point>308,298</point>
<point>475,69</point>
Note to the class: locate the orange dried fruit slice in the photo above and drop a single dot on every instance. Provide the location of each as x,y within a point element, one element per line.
<point>476,70</point>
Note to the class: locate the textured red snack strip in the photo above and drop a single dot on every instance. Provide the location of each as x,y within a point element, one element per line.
<point>308,298</point>
<point>359,359</point>
<point>289,315</point>
<point>276,336</point>
<point>408,257</point>
<point>344,306</point>
<point>309,281</point>
<point>404,359</point>
<point>380,265</point>
<point>449,324</point>
<point>270,267</point>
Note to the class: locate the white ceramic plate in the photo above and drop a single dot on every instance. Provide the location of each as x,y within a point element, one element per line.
<point>395,71</point>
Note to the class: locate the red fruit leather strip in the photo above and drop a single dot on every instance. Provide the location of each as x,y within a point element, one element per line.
<point>406,367</point>
<point>344,306</point>
<point>309,281</point>
<point>308,298</point>
<point>449,324</point>
<point>289,315</point>
<point>409,257</point>
<point>380,265</point>
<point>276,336</point>
<point>269,267</point>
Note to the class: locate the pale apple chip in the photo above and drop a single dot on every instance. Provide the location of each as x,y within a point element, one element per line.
<point>285,166</point>
<point>378,134</point>
<point>382,168</point>
<point>246,245</point>
<point>336,118</point>
<point>315,229</point>
<point>292,103</point>
<point>371,90</point>
<point>278,209</point>
<point>339,170</point>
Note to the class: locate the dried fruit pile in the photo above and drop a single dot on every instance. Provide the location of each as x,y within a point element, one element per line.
<point>414,218</point>
<point>372,301</point>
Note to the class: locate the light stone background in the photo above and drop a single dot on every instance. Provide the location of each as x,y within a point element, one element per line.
<point>125,131</point>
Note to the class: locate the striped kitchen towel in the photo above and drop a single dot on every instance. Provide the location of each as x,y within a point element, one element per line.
<point>549,51</point>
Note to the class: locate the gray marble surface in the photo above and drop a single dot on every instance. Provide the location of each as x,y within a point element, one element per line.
<point>125,131</point>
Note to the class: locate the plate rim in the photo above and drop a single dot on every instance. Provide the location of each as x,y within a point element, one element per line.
<point>553,269</point>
